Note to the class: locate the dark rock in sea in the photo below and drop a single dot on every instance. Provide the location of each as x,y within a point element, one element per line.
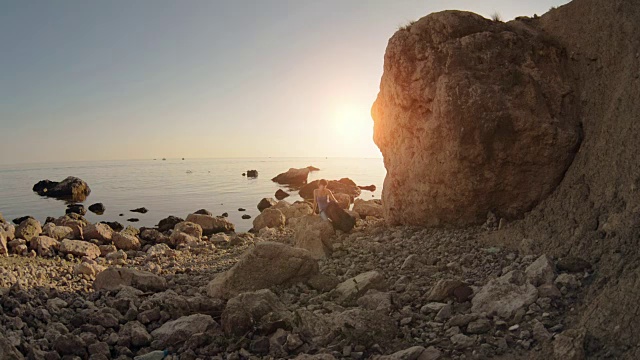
<point>116,226</point>
<point>76,209</point>
<point>120,214</point>
<point>141,210</point>
<point>203,212</point>
<point>168,223</point>
<point>312,168</point>
<point>49,219</point>
<point>133,220</point>
<point>71,188</point>
<point>266,203</point>
<point>342,186</point>
<point>19,220</point>
<point>97,208</point>
<point>224,214</point>
<point>368,188</point>
<point>246,216</point>
<point>244,174</point>
<point>281,194</point>
<point>293,177</point>
<point>252,173</point>
<point>242,209</point>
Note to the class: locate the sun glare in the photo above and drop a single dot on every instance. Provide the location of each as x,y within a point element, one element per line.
<point>353,124</point>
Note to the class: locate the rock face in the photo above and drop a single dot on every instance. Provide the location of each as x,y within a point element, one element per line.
<point>292,177</point>
<point>211,224</point>
<point>473,116</point>
<point>71,188</point>
<point>266,265</point>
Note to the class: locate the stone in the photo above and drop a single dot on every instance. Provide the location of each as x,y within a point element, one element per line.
<point>4,251</point>
<point>461,137</point>
<point>432,307</point>
<point>413,353</point>
<point>366,208</point>
<point>252,173</point>
<point>410,262</point>
<point>178,238</point>
<point>125,241</point>
<point>376,300</point>
<point>8,230</point>
<point>505,295</point>
<point>7,350</point>
<point>479,326</point>
<point>71,188</point>
<point>344,200</point>
<point>371,188</point>
<point>58,232</point>
<point>113,279</point>
<point>549,291</point>
<point>203,212</point>
<point>443,289</point>
<point>270,217</point>
<point>568,281</point>
<point>291,211</point>
<point>28,229</point>
<point>168,223</point>
<point>76,209</point>
<point>266,203</point>
<point>133,334</point>
<point>281,194</point>
<point>178,331</point>
<point>73,221</point>
<point>252,310</point>
<point>292,177</point>
<point>69,344</point>
<point>569,345</point>
<point>541,271</point>
<point>540,332</point>
<point>189,228</point>
<point>265,265</point>
<point>314,234</point>
<point>350,290</point>
<point>461,341</point>
<point>114,225</point>
<point>97,208</point>
<point>153,236</point>
<point>100,231</point>
<point>79,248</point>
<point>45,246</point>
<point>573,264</point>
<point>444,313</point>
<point>158,250</point>
<point>323,282</point>
<point>210,224</point>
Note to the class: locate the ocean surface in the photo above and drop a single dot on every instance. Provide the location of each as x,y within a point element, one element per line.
<point>173,187</point>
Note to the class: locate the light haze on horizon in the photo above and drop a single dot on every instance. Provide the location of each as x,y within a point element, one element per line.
<point>115,80</point>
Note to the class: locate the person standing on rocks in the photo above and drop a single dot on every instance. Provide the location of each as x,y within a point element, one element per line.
<point>321,198</point>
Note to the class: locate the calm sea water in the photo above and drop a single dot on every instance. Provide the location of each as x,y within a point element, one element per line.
<point>172,187</point>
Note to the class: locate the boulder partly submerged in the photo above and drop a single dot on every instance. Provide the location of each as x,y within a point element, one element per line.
<point>71,188</point>
<point>266,265</point>
<point>292,177</point>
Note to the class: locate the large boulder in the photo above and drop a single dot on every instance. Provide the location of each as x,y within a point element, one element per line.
<point>168,223</point>
<point>295,210</point>
<point>366,208</point>
<point>7,350</point>
<point>45,246</point>
<point>189,228</point>
<point>8,230</point>
<point>505,295</point>
<point>266,203</point>
<point>28,229</point>
<point>100,231</point>
<point>97,208</point>
<point>292,177</point>
<point>267,264</point>
<point>79,248</point>
<point>71,188</point>
<point>114,278</point>
<point>125,241</point>
<point>211,224</point>
<point>74,221</point>
<point>348,292</point>
<point>271,217</point>
<point>314,234</point>
<point>180,330</point>
<point>472,116</point>
<point>58,232</point>
<point>343,186</point>
<point>251,310</point>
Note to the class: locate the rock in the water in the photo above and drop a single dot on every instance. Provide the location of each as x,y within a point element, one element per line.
<point>266,265</point>
<point>252,173</point>
<point>350,290</point>
<point>313,234</point>
<point>368,188</point>
<point>28,229</point>
<point>167,223</point>
<point>71,188</point>
<point>76,209</point>
<point>133,219</point>
<point>505,295</point>
<point>266,203</point>
<point>246,216</point>
<point>125,241</point>
<point>541,271</point>
<point>79,248</point>
<point>248,311</point>
<point>292,177</point>
<point>142,210</point>
<point>20,219</point>
<point>462,137</point>
<point>203,212</point>
<point>97,208</point>
<point>270,217</point>
<point>180,330</point>
<point>114,278</point>
<point>211,224</point>
<point>366,208</point>
<point>114,225</point>
<point>45,246</point>
<point>281,194</point>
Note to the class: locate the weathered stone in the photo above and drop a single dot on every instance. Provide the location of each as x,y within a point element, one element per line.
<point>100,231</point>
<point>189,228</point>
<point>568,281</point>
<point>270,217</point>
<point>291,211</point>
<point>292,177</point>
<point>461,341</point>
<point>252,310</point>
<point>79,248</point>
<point>97,208</point>
<point>541,271</point>
<point>179,238</point>
<point>168,223</point>
<point>505,295</point>
<point>58,232</point>
<point>376,300</point>
<point>569,345</point>
<point>266,265</point>
<point>479,326</point>
<point>462,137</point>
<point>350,290</point>
<point>74,221</point>
<point>45,246</point>
<point>125,241</point>
<point>368,208</point>
<point>443,289</point>
<point>178,331</point>
<point>28,229</point>
<point>210,224</point>
<point>413,353</point>
<point>114,278</point>
<point>266,203</point>
<point>573,264</point>
<point>314,234</point>
<point>71,188</point>
<point>7,350</point>
<point>133,334</point>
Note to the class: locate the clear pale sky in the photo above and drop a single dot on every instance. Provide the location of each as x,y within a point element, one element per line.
<point>121,79</point>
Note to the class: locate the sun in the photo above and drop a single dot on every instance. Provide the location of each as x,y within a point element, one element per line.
<point>352,123</point>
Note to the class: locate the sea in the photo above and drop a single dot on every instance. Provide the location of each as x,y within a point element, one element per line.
<point>173,186</point>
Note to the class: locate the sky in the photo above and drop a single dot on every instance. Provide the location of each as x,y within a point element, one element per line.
<point>121,79</point>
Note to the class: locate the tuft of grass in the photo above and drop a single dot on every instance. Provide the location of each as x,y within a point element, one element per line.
<point>496,16</point>
<point>407,26</point>
<point>553,8</point>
